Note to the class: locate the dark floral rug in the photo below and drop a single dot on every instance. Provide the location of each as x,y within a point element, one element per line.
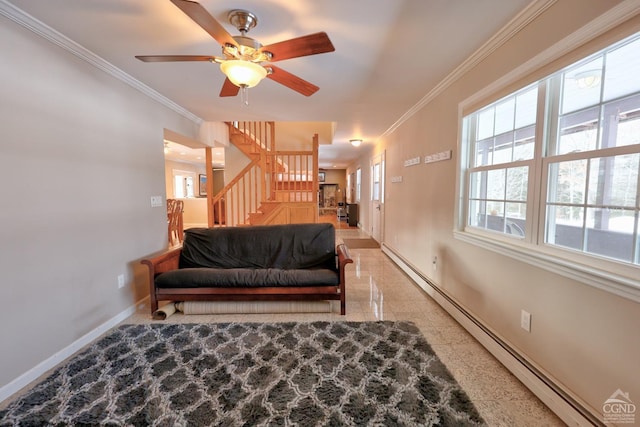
<point>246,374</point>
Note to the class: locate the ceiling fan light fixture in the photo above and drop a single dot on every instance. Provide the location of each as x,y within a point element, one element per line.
<point>355,142</point>
<point>243,73</point>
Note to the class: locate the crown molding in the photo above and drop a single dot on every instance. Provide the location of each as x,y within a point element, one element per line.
<point>613,17</point>
<point>513,27</point>
<point>43,30</point>
<point>603,23</point>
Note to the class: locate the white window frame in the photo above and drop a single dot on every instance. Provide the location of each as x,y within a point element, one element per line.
<point>616,277</point>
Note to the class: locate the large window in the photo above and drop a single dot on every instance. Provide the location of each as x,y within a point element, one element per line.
<point>555,166</point>
<point>502,153</point>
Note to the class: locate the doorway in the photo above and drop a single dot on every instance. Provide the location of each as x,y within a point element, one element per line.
<point>377,197</point>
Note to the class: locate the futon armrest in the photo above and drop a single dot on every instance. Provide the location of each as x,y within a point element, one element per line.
<point>163,262</point>
<point>343,259</point>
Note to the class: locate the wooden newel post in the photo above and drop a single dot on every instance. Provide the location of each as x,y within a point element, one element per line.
<point>209,174</point>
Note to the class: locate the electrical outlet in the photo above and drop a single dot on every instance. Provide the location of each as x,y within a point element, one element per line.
<point>525,321</point>
<point>120,281</point>
<point>435,262</point>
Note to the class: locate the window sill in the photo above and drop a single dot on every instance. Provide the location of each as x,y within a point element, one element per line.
<point>605,280</point>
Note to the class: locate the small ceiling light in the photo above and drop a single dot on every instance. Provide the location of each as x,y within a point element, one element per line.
<point>166,147</point>
<point>355,142</point>
<point>587,79</point>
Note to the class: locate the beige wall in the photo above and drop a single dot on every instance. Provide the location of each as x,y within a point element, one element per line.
<point>584,338</point>
<point>299,135</point>
<point>335,176</point>
<point>81,153</point>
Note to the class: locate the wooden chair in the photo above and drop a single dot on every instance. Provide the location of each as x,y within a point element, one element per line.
<point>174,221</point>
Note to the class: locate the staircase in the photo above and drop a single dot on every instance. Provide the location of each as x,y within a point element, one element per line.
<point>276,187</point>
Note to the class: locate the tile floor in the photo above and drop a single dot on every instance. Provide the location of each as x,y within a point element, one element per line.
<point>379,290</point>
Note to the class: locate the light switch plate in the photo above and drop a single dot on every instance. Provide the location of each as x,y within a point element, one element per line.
<point>525,321</point>
<point>156,201</point>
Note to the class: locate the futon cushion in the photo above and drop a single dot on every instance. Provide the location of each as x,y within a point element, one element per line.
<point>288,247</point>
<point>245,277</point>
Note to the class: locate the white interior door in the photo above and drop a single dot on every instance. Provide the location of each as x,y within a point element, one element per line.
<point>377,197</point>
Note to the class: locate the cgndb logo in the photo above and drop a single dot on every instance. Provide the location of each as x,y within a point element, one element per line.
<point>619,409</point>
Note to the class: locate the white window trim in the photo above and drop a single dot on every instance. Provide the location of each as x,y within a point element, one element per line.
<point>549,260</point>
<point>552,259</point>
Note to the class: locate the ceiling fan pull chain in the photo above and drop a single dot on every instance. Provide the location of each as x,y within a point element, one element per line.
<point>244,95</point>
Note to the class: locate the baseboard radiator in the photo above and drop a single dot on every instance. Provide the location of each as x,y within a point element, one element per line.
<point>566,407</point>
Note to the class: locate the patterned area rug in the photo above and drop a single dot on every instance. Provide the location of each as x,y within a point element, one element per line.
<point>245,374</point>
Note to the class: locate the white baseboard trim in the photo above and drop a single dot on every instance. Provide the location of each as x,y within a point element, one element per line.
<point>34,373</point>
<point>572,412</point>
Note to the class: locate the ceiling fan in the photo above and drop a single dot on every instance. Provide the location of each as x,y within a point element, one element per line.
<point>243,56</point>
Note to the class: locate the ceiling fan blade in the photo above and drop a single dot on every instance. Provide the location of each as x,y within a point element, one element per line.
<point>174,58</point>
<point>291,81</point>
<point>229,89</point>
<point>199,14</point>
<point>300,46</point>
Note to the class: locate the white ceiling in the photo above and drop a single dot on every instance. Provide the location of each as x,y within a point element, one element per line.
<point>389,55</point>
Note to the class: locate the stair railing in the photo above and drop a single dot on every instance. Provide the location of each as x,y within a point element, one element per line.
<point>240,197</point>
<point>295,181</point>
<point>271,176</point>
<point>261,134</point>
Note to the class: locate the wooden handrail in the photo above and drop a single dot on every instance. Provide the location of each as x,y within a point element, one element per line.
<point>231,204</point>
<point>261,133</point>
<point>272,176</point>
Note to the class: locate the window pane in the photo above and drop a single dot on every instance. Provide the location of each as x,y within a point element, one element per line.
<point>567,182</point>
<point>495,216</point>
<point>563,228</point>
<point>375,194</point>
<point>504,126</point>
<point>628,129</point>
<point>623,69</point>
<point>613,181</point>
<point>496,184</point>
<point>516,219</point>
<point>524,147</point>
<point>602,240</point>
<point>477,217</point>
<point>485,124</point>
<point>476,185</point>
<point>516,210</point>
<point>178,186</point>
<point>578,131</point>
<point>581,86</point>
<point>488,207</point>
<point>621,122</point>
<point>484,152</point>
<point>503,148</point>
<point>526,107</point>
<point>188,182</point>
<point>517,182</point>
<point>505,112</point>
